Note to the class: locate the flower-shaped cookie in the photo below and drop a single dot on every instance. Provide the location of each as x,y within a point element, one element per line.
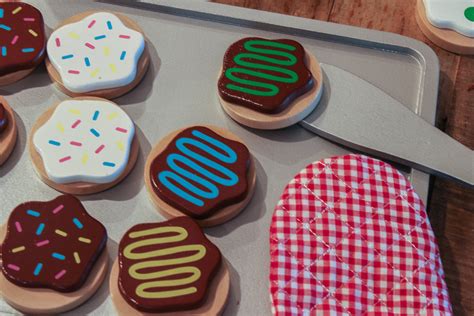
<point>85,140</point>
<point>98,52</point>
<point>22,39</point>
<point>52,244</point>
<point>457,15</point>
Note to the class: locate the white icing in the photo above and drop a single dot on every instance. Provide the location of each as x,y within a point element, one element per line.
<point>106,67</point>
<point>449,14</point>
<point>86,162</point>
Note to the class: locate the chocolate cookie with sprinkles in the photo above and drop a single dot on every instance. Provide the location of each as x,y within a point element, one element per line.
<point>22,41</point>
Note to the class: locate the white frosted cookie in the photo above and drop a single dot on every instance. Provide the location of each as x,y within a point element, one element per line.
<point>456,15</point>
<point>98,52</point>
<point>85,141</point>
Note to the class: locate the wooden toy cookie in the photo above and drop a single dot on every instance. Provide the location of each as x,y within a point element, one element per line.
<point>22,41</point>
<point>8,130</point>
<point>53,256</point>
<point>98,54</point>
<point>169,268</point>
<point>83,145</point>
<point>350,236</point>
<point>269,84</point>
<point>204,172</point>
<point>448,24</point>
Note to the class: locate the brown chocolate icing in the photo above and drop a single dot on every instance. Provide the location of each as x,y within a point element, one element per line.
<point>22,38</point>
<point>51,244</point>
<point>204,179</point>
<point>3,118</point>
<point>166,267</point>
<point>264,75</point>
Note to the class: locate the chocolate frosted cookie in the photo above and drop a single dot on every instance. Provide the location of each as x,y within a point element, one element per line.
<point>167,267</point>
<point>264,75</point>
<point>49,250</point>
<point>22,40</point>
<point>200,171</point>
<point>8,129</point>
<point>3,118</point>
<point>269,84</point>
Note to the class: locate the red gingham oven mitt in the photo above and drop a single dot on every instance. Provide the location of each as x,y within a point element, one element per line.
<point>350,236</point>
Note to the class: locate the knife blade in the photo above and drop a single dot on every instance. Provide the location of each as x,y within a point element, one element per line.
<point>384,127</point>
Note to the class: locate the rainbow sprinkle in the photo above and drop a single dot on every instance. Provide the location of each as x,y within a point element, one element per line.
<point>122,56</point>
<point>77,258</point>
<point>40,229</point>
<point>94,132</point>
<point>108,164</point>
<point>29,19</point>
<point>124,36</point>
<point>42,243</point>
<point>85,240</point>
<point>13,267</point>
<point>76,123</point>
<point>38,268</point>
<point>87,62</point>
<point>120,145</point>
<point>113,68</point>
<point>74,143</point>
<point>28,50</point>
<point>95,116</point>
<point>58,42</point>
<point>6,28</point>
<point>60,233</point>
<point>99,149</point>
<point>18,227</point>
<point>64,159</point>
<point>17,10</point>
<point>58,209</point>
<point>74,35</point>
<point>74,72</point>
<point>90,45</point>
<point>68,56</point>
<point>54,143</point>
<point>85,158</point>
<point>33,213</point>
<point>60,274</point>
<point>91,24</point>
<point>4,51</point>
<point>99,37</point>
<point>33,33</point>
<point>106,51</point>
<point>15,39</point>
<point>60,127</point>
<point>95,72</point>
<point>77,223</point>
<point>1,13</point>
<point>111,116</point>
<point>121,130</point>
<point>109,25</point>
<point>18,249</point>
<point>58,256</point>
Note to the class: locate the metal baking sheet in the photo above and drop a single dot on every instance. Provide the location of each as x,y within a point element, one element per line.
<point>187,41</point>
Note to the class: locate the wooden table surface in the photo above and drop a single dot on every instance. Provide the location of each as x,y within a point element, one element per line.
<point>450,206</point>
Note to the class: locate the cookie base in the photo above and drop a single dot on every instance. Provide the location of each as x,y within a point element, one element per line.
<point>295,112</point>
<point>16,76</point>
<point>46,301</point>
<point>214,304</point>
<point>112,93</point>
<point>447,39</point>
<point>9,135</point>
<point>220,216</point>
<point>76,188</point>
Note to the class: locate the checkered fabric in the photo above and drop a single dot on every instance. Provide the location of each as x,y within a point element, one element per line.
<point>351,237</point>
